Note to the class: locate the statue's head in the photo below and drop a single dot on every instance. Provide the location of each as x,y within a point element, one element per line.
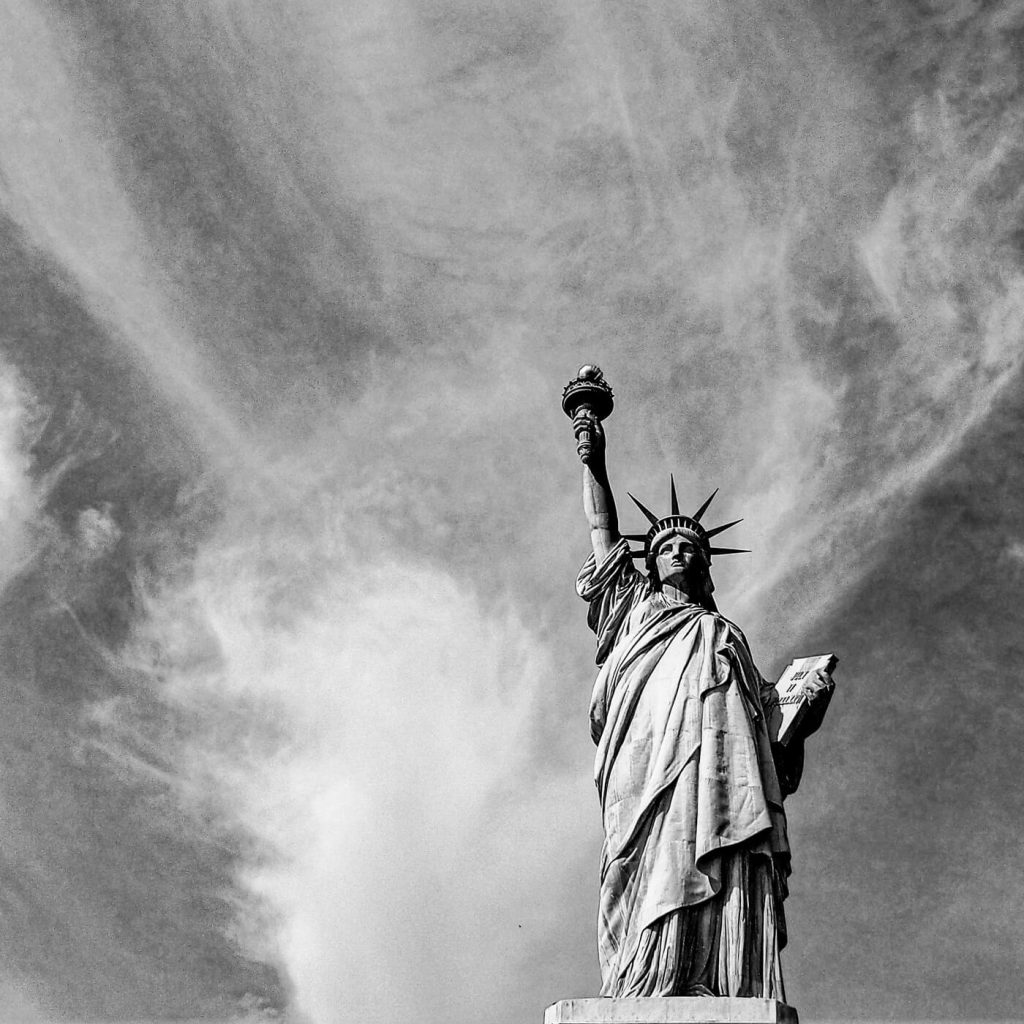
<point>679,558</point>
<point>679,547</point>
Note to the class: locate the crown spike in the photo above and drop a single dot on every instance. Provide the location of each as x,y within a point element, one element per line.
<point>730,551</point>
<point>723,528</point>
<point>651,517</point>
<point>696,515</point>
<point>675,500</point>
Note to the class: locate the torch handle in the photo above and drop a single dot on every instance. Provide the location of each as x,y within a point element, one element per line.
<point>589,393</point>
<point>584,442</point>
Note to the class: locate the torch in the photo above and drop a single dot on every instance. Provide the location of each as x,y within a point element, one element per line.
<point>590,391</point>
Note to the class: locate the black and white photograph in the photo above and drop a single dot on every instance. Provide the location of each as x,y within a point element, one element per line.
<point>511,511</point>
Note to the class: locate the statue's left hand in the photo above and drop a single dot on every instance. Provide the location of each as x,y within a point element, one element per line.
<point>818,690</point>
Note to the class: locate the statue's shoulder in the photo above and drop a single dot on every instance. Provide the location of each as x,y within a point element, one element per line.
<point>713,617</point>
<point>726,628</point>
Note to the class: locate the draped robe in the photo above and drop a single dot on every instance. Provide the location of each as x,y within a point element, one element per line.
<point>695,857</point>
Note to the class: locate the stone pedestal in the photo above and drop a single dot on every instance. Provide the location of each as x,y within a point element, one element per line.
<point>670,1010</point>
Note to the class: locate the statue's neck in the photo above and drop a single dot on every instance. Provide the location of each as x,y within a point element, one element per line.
<point>677,595</point>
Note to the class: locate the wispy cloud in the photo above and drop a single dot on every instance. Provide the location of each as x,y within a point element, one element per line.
<point>290,507</point>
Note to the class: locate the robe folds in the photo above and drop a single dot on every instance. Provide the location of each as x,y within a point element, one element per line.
<point>695,855</point>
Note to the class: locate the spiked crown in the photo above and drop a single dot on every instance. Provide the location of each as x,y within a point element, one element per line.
<point>675,522</point>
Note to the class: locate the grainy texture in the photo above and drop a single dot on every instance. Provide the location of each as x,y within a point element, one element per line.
<point>291,689</point>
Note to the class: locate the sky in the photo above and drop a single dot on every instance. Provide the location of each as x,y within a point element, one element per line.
<point>295,681</point>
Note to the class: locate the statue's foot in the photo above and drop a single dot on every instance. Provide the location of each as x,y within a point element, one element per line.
<point>699,990</point>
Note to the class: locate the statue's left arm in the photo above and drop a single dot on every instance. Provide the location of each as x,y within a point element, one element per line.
<point>818,690</point>
<point>789,758</point>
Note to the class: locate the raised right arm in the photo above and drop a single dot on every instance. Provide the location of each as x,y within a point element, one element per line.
<point>598,502</point>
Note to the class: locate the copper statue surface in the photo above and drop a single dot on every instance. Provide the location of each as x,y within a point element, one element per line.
<point>696,856</point>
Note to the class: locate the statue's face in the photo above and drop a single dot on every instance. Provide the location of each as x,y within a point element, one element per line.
<point>677,561</point>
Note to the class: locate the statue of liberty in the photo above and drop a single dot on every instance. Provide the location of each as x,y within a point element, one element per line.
<point>695,859</point>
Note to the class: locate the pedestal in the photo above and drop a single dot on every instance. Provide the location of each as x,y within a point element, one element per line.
<point>670,1010</point>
